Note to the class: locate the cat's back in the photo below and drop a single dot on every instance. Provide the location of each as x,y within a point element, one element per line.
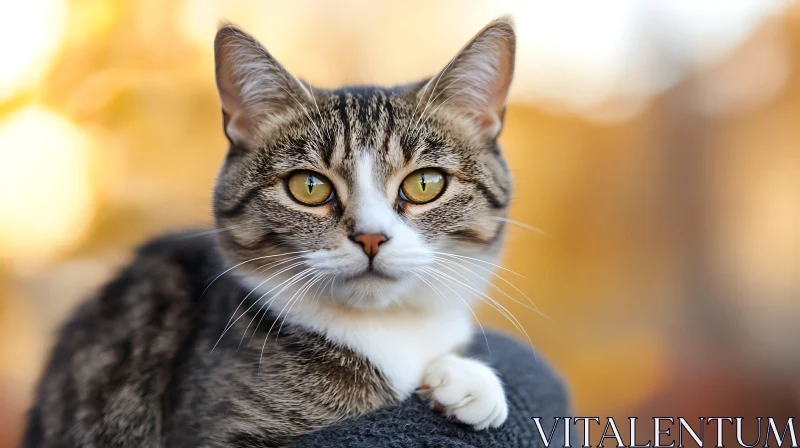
<point>143,363</point>
<point>116,356</point>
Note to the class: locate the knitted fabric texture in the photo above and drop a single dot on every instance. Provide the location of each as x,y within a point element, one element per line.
<point>532,390</point>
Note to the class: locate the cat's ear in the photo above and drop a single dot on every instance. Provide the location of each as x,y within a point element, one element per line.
<point>256,91</point>
<point>475,82</point>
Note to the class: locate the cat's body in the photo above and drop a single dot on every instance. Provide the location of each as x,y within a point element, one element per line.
<point>356,227</point>
<point>135,365</point>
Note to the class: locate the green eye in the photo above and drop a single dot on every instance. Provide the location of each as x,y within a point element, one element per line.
<point>310,188</point>
<point>423,185</point>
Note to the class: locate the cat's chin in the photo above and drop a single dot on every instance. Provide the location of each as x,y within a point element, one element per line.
<point>370,290</point>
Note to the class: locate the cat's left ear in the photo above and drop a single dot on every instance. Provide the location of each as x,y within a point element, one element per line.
<point>475,83</point>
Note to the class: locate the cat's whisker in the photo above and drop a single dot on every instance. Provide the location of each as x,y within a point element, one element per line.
<point>433,288</point>
<point>492,303</point>
<point>266,267</point>
<point>478,321</point>
<point>297,278</point>
<point>522,225</point>
<point>311,94</point>
<point>532,307</point>
<point>462,276</point>
<point>248,261</point>
<point>231,324</point>
<point>480,261</point>
<point>258,286</point>
<point>444,260</point>
<point>291,299</point>
<point>320,289</point>
<point>508,314</point>
<point>432,100</point>
<point>308,277</point>
<point>433,111</point>
<point>305,288</point>
<point>330,287</point>
<point>206,232</point>
<point>319,112</point>
<point>433,90</point>
<point>261,269</point>
<point>268,303</point>
<point>419,100</point>
<point>445,264</point>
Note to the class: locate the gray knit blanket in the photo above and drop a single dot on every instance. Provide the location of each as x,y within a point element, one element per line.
<point>532,390</point>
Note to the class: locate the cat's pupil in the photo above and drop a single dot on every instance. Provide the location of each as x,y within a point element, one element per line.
<point>422,180</point>
<point>310,183</point>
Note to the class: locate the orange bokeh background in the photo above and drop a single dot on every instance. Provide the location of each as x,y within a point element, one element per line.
<point>672,270</point>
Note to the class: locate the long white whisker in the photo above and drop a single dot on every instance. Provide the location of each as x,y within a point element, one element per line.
<point>311,94</point>
<point>462,300</point>
<point>433,111</point>
<point>433,288</point>
<point>272,264</point>
<point>305,289</point>
<point>268,303</point>
<point>291,299</point>
<point>522,225</point>
<point>432,100</point>
<point>293,265</point>
<point>433,90</point>
<point>259,270</point>
<point>510,316</point>
<point>480,261</point>
<point>425,90</point>
<point>533,306</point>
<point>444,260</point>
<point>231,324</point>
<point>321,288</point>
<point>248,261</point>
<point>308,273</point>
<point>206,232</point>
<point>330,286</point>
<point>473,284</point>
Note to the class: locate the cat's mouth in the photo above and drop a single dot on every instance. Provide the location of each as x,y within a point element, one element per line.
<point>370,274</point>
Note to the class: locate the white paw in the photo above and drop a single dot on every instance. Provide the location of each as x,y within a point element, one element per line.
<point>466,390</point>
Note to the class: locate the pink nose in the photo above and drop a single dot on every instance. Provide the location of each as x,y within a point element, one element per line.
<point>369,242</point>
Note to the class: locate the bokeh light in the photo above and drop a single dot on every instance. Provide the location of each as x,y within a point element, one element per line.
<point>45,185</point>
<point>30,34</point>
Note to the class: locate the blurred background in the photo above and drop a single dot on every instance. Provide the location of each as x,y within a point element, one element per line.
<point>656,141</point>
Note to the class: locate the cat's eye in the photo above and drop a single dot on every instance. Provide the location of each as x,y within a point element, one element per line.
<point>310,188</point>
<point>423,185</point>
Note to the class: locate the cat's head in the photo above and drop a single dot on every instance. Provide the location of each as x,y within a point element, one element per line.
<point>374,194</point>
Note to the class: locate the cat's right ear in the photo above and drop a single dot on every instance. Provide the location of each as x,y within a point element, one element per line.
<point>475,83</point>
<point>256,91</point>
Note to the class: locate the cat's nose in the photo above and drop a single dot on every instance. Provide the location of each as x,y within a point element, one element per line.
<point>369,242</point>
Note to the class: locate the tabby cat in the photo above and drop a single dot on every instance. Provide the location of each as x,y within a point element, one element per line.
<point>355,227</point>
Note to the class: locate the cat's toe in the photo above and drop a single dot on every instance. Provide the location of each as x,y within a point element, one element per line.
<point>467,390</point>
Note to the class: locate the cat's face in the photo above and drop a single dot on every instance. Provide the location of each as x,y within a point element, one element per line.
<point>371,193</point>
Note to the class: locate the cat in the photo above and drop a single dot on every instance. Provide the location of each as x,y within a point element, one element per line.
<point>354,229</point>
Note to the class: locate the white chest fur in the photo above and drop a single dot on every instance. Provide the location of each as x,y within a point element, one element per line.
<point>399,342</point>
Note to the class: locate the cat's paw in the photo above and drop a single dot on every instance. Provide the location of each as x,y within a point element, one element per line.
<point>465,389</point>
